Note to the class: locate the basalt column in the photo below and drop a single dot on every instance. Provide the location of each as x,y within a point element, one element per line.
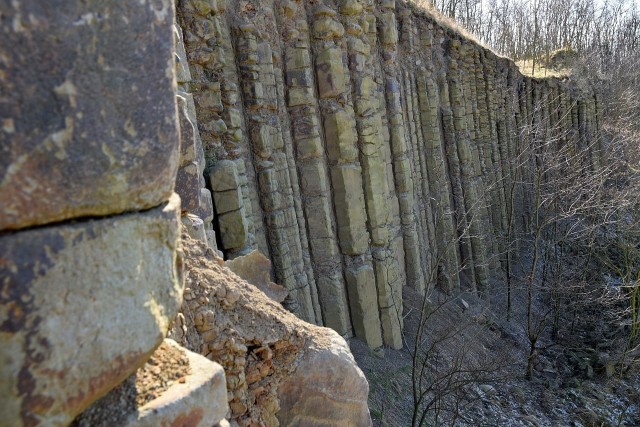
<point>270,161</point>
<point>312,169</point>
<point>346,174</point>
<point>402,165</point>
<point>373,158</point>
<point>220,123</point>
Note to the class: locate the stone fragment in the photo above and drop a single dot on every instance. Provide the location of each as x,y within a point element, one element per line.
<point>233,228</point>
<point>71,294</point>
<point>71,166</point>
<point>224,176</point>
<point>255,268</point>
<point>199,400</point>
<point>194,226</point>
<point>227,201</point>
<point>330,72</point>
<point>350,7</point>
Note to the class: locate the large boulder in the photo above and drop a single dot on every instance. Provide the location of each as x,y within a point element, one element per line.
<point>255,268</point>
<point>88,123</point>
<point>277,366</point>
<point>82,305</point>
<point>327,388</point>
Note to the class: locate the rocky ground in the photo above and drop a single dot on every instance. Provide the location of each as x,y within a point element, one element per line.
<point>567,389</point>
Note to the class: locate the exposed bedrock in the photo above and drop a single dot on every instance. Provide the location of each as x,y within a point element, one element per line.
<point>363,146</point>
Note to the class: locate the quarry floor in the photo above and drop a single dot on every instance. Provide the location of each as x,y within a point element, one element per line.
<point>556,396</point>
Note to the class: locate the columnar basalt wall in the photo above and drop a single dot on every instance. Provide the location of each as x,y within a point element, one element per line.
<point>364,146</point>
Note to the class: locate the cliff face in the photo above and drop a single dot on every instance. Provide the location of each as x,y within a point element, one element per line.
<point>364,146</point>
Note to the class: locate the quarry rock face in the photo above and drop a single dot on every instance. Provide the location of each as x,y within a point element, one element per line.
<point>279,369</point>
<point>88,114</point>
<point>362,146</point>
<point>83,305</point>
<point>366,146</point>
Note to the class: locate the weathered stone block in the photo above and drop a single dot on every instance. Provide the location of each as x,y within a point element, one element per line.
<point>306,125</point>
<point>183,74</point>
<point>330,72</point>
<point>350,7</point>
<point>327,389</point>
<point>298,96</point>
<point>350,213</point>
<point>224,176</point>
<point>194,226</point>
<point>297,59</point>
<point>70,295</point>
<point>327,28</point>
<point>205,210</point>
<point>341,136</point>
<point>313,178</point>
<point>51,143</point>
<point>268,181</point>
<point>208,95</point>
<point>197,401</point>
<point>227,201</point>
<point>361,288</point>
<point>300,78</point>
<point>402,169</point>
<point>233,118</point>
<point>255,268</point>
<point>233,228</point>
<point>389,28</point>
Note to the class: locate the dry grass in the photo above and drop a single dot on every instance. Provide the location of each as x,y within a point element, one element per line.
<point>540,71</point>
<point>443,20</point>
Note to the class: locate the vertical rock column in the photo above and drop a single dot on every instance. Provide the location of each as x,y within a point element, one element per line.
<point>196,201</point>
<point>346,175</point>
<point>492,124</point>
<point>402,166</point>
<point>436,164</point>
<point>276,194</point>
<point>207,45</point>
<point>411,116</point>
<point>373,157</point>
<point>312,170</point>
<point>450,137</point>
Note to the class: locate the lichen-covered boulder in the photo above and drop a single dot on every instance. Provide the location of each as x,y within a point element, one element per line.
<point>82,305</point>
<point>88,123</point>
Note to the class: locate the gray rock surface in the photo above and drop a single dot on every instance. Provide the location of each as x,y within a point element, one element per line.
<point>88,109</point>
<point>82,306</point>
